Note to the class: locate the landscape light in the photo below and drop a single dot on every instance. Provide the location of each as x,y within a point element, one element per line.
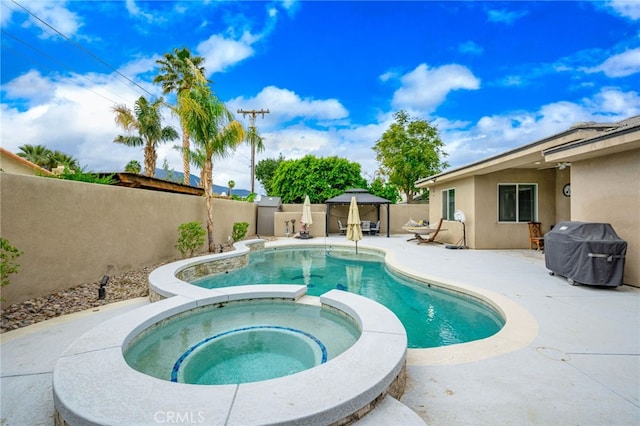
<point>102,291</point>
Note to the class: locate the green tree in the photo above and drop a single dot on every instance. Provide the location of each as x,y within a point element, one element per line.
<point>408,150</point>
<point>133,166</point>
<point>215,133</point>
<point>265,169</point>
<point>167,173</point>
<point>179,71</point>
<point>146,120</point>
<point>320,178</point>
<point>385,190</point>
<point>231,184</point>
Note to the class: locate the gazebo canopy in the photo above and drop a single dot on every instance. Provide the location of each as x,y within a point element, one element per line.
<point>363,197</point>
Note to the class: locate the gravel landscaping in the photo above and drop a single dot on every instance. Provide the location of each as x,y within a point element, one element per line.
<point>85,296</point>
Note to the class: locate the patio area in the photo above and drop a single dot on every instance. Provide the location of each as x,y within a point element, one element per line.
<point>582,366</point>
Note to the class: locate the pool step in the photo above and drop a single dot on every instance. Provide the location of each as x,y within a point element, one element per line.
<point>391,412</point>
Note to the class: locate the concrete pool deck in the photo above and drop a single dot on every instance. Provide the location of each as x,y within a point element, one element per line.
<point>582,366</point>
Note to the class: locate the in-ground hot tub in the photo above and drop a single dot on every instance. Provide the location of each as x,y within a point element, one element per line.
<point>93,384</point>
<point>242,341</point>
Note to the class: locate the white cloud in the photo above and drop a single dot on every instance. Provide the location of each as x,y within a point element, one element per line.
<point>55,14</point>
<point>31,87</point>
<point>613,101</point>
<point>71,118</point>
<point>136,12</point>
<point>221,53</point>
<point>620,65</point>
<point>495,134</point>
<point>286,105</point>
<point>470,47</point>
<point>625,8</point>
<point>505,16</point>
<point>425,88</point>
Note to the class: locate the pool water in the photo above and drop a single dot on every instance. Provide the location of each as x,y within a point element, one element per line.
<point>432,316</point>
<point>249,354</point>
<point>240,342</point>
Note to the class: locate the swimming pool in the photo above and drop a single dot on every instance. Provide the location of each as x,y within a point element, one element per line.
<point>433,317</point>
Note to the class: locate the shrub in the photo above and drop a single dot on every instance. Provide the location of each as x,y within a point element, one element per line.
<point>8,265</point>
<point>239,231</point>
<point>191,238</point>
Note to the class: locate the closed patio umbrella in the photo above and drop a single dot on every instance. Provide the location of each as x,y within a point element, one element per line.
<point>306,220</point>
<point>354,229</point>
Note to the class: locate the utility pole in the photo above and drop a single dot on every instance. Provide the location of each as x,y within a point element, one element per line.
<point>252,135</point>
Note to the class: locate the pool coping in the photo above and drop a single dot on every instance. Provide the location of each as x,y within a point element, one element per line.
<point>92,384</point>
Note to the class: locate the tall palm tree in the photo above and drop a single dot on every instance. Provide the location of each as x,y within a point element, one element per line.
<point>146,120</point>
<point>178,72</point>
<point>215,133</point>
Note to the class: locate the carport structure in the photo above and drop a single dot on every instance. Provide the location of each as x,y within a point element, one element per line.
<point>363,197</point>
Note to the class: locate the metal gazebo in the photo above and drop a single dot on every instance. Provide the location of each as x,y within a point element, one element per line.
<point>362,198</point>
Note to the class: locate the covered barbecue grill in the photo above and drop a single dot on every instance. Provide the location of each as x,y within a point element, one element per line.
<point>585,253</point>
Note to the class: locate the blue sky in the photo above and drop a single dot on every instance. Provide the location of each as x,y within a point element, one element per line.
<point>491,75</point>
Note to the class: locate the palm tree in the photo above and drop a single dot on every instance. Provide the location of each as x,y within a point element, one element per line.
<point>214,131</point>
<point>57,158</point>
<point>178,72</point>
<point>37,154</point>
<point>133,166</point>
<point>231,185</point>
<point>146,120</point>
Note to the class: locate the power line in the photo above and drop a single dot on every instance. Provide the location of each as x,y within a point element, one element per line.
<point>51,58</point>
<point>83,49</point>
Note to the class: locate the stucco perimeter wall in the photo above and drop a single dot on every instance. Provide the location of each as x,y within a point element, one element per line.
<point>607,189</point>
<point>73,233</point>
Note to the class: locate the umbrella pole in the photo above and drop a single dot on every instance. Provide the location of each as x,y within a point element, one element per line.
<point>356,247</point>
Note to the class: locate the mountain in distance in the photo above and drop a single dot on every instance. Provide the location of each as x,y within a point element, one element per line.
<point>195,181</point>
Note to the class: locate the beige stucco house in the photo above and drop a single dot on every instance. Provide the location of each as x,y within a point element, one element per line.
<point>590,173</point>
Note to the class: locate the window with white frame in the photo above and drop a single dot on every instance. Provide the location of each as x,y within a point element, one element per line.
<point>448,203</point>
<point>517,202</point>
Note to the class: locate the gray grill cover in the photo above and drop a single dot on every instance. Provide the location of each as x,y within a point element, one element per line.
<point>587,253</point>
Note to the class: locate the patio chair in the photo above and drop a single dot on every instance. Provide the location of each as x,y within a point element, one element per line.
<point>342,228</point>
<point>535,235</point>
<point>366,226</point>
<point>374,228</point>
